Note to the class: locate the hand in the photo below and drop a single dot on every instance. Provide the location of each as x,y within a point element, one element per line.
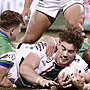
<point>26,12</point>
<point>26,15</point>
<point>78,80</point>
<point>51,46</point>
<point>6,82</point>
<point>47,83</point>
<point>64,81</point>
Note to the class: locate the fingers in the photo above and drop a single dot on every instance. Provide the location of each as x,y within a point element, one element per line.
<point>77,75</point>
<point>50,50</point>
<point>6,82</point>
<point>64,81</point>
<point>26,12</point>
<point>51,46</point>
<point>47,83</point>
<point>78,79</point>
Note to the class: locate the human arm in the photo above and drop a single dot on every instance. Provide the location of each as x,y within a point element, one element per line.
<point>6,63</point>
<point>6,82</point>
<point>87,79</point>
<point>51,43</point>
<point>64,80</point>
<point>26,10</point>
<point>79,79</point>
<point>27,70</point>
<point>3,72</point>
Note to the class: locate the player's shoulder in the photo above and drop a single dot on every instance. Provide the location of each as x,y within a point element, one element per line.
<point>78,58</point>
<point>25,45</point>
<point>80,61</point>
<point>36,46</point>
<point>40,46</point>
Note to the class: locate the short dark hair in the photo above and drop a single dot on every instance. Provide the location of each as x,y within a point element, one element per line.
<point>10,18</point>
<point>72,36</point>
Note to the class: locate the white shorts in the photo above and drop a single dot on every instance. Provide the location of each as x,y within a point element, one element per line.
<point>53,7</point>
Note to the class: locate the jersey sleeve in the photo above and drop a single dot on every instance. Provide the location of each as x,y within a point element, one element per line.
<point>7,53</point>
<point>79,63</point>
<point>40,49</point>
<point>23,50</point>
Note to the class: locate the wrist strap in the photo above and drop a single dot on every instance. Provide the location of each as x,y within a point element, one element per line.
<point>38,80</point>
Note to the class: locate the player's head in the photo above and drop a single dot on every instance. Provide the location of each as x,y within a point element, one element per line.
<point>10,22</point>
<point>72,36</point>
<point>69,44</point>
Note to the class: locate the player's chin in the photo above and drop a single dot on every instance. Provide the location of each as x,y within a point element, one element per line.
<point>64,63</point>
<point>65,60</point>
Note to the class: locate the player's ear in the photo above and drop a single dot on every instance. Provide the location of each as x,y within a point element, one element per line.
<point>11,31</point>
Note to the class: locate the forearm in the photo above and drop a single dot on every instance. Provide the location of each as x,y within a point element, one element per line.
<point>29,74</point>
<point>27,3</point>
<point>3,72</point>
<point>6,82</point>
<point>51,44</point>
<point>32,77</point>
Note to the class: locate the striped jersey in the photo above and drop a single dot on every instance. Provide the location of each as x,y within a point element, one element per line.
<point>47,68</point>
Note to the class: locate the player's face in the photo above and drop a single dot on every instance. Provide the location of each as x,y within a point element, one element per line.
<point>65,54</point>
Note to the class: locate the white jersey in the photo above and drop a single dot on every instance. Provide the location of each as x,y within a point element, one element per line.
<point>53,7</point>
<point>22,51</point>
<point>47,66</point>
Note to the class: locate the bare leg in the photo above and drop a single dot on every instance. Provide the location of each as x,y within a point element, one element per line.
<point>37,26</point>
<point>74,15</point>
